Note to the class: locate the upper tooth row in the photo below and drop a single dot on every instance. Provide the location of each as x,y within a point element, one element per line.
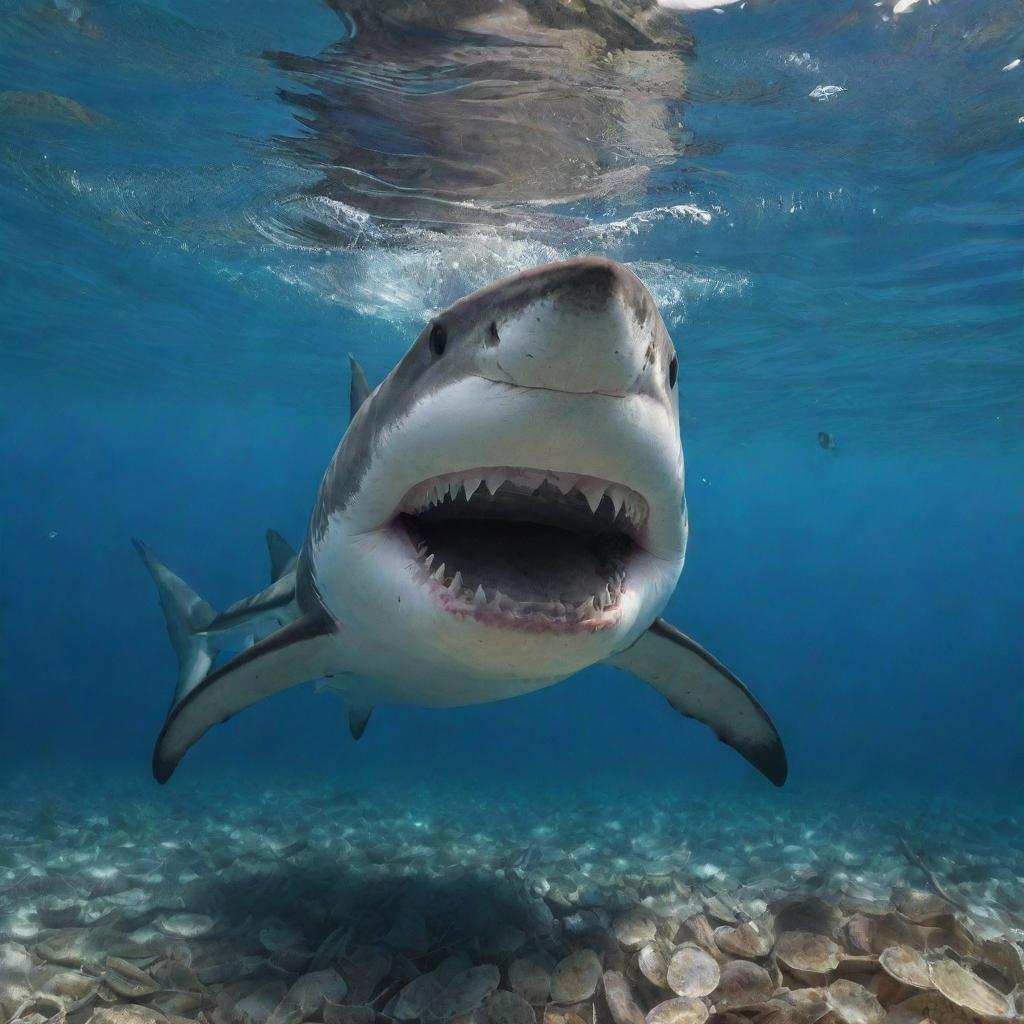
<point>434,492</point>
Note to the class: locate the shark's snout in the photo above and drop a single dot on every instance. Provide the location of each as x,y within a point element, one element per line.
<point>584,326</point>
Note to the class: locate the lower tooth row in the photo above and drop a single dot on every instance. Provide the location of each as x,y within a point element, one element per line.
<point>479,599</point>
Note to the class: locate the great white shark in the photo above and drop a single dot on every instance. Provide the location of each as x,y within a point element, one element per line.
<point>504,510</point>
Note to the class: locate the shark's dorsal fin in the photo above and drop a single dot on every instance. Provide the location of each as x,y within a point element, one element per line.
<point>303,650</point>
<point>699,686</point>
<point>358,389</point>
<point>282,555</point>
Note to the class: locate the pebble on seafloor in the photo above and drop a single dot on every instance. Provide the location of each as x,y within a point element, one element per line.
<point>334,908</point>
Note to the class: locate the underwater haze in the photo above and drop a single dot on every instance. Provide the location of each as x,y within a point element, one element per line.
<point>206,207</point>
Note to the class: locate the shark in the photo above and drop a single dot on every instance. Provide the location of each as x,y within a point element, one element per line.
<point>504,510</point>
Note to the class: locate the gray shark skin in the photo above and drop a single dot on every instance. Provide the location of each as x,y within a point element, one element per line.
<point>504,510</point>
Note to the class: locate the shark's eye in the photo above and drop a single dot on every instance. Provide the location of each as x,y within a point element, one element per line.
<point>673,372</point>
<point>438,339</point>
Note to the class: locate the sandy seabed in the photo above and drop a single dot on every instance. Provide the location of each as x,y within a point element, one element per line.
<point>129,904</point>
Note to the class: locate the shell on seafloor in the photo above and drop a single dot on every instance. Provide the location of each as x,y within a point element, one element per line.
<point>692,972</point>
<point>575,977</point>
<point>680,1010</point>
<point>634,928</point>
<point>907,966</point>
<point>853,1003</point>
<point>653,965</point>
<point>747,940</point>
<point>807,952</point>
<point>742,983</point>
<point>530,978</point>
<point>965,989</point>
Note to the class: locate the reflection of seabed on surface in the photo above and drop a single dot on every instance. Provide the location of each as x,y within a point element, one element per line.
<point>312,902</point>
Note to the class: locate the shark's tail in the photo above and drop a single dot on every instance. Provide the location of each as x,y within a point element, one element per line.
<point>185,613</point>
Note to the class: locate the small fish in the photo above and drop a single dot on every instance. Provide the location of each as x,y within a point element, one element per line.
<point>826,440</point>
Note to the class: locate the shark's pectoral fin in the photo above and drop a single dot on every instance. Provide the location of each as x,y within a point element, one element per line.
<point>303,650</point>
<point>700,687</point>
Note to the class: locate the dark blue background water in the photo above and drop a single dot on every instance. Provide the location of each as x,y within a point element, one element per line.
<point>171,372</point>
<point>870,597</point>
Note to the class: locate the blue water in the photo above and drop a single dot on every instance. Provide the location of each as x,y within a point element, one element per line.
<point>174,367</point>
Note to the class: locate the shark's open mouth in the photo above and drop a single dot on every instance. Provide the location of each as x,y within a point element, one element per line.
<point>529,548</point>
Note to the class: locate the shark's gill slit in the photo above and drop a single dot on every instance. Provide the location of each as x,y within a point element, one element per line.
<point>533,548</point>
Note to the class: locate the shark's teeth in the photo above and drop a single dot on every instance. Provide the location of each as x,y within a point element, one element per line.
<point>465,486</point>
<point>632,509</point>
<point>617,495</point>
<point>593,492</point>
<point>595,612</point>
<point>624,512</point>
<point>562,482</point>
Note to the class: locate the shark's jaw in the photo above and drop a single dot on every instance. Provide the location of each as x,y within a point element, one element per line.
<point>524,549</point>
<point>547,534</point>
